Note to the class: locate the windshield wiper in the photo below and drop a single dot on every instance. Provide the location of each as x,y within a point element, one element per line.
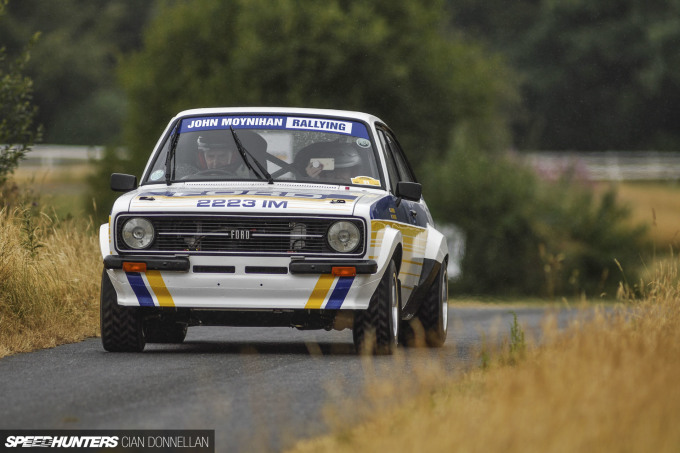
<point>243,152</point>
<point>170,171</point>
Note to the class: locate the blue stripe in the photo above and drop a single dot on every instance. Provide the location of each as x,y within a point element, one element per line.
<point>339,293</point>
<point>138,286</point>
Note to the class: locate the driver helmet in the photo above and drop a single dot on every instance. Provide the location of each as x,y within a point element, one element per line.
<point>346,156</point>
<point>215,143</point>
<point>210,142</point>
<point>223,140</point>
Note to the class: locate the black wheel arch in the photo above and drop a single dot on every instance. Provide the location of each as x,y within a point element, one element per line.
<point>427,279</point>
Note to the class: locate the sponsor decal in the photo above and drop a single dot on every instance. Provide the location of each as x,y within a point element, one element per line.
<point>316,124</point>
<point>225,122</point>
<point>156,175</point>
<point>246,193</point>
<point>334,126</point>
<point>365,180</point>
<point>364,143</point>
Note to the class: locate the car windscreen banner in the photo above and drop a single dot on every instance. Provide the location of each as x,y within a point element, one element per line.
<point>314,124</point>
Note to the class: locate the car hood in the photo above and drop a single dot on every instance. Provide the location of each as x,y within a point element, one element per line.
<point>277,199</point>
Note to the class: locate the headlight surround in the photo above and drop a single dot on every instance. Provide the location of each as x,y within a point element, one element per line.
<point>138,233</point>
<point>344,236</point>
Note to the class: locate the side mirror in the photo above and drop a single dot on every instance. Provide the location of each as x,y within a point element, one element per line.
<point>123,183</point>
<point>412,191</point>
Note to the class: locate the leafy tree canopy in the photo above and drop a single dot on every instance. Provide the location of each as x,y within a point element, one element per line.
<point>597,75</point>
<point>17,112</point>
<point>395,59</point>
<point>73,64</point>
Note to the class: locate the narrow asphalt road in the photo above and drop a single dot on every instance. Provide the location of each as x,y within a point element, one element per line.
<point>259,389</point>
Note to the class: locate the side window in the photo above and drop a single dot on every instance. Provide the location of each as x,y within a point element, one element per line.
<point>389,158</point>
<point>405,172</point>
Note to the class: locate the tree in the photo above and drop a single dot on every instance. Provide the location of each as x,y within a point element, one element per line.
<point>605,75</point>
<point>73,64</point>
<point>392,58</point>
<point>17,112</point>
<point>596,75</point>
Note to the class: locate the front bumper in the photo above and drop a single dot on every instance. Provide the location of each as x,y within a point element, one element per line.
<point>296,266</point>
<point>219,282</point>
<point>153,263</point>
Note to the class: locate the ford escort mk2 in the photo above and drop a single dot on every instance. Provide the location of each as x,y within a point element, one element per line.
<point>272,217</point>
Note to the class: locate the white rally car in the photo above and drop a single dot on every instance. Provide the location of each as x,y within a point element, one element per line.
<point>273,217</point>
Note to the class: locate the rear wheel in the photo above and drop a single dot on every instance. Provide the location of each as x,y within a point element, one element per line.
<point>121,326</point>
<point>376,329</point>
<point>434,313</point>
<point>429,326</point>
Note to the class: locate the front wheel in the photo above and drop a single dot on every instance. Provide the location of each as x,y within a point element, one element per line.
<point>121,326</point>
<point>376,329</point>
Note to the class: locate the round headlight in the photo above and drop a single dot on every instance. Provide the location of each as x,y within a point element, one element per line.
<point>138,233</point>
<point>343,236</point>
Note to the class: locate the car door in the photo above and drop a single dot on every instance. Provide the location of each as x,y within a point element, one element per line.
<point>412,217</point>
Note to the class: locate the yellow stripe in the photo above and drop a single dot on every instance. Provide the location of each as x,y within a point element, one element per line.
<point>403,227</point>
<point>320,290</point>
<point>412,262</point>
<point>159,288</point>
<point>408,273</point>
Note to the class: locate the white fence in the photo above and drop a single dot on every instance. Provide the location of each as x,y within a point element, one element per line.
<point>54,155</point>
<point>609,165</point>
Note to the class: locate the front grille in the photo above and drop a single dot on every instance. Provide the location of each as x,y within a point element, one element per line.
<point>220,234</point>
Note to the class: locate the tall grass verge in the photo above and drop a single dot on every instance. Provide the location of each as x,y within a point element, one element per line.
<point>604,384</point>
<point>49,280</point>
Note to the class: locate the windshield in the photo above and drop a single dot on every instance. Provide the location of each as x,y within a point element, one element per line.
<point>308,149</point>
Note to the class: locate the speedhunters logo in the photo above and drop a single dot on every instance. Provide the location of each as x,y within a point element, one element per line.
<point>103,440</point>
<point>62,441</point>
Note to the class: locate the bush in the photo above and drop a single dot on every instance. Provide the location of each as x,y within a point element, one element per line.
<point>526,236</point>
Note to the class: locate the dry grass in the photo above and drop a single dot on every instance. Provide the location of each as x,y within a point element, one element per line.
<point>609,384</point>
<point>656,204</point>
<point>61,187</point>
<point>49,280</point>
<point>53,176</point>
